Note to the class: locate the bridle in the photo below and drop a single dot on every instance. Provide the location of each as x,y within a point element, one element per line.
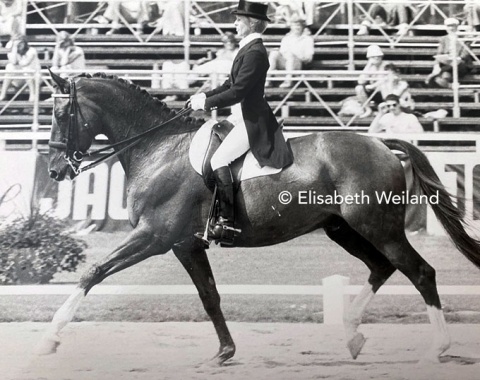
<point>70,144</point>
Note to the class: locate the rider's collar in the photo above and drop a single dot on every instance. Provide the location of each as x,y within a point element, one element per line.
<point>249,38</point>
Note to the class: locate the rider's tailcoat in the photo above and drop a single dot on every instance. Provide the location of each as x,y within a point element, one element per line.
<point>246,85</point>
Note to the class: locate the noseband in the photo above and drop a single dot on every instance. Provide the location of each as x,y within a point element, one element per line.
<point>73,155</point>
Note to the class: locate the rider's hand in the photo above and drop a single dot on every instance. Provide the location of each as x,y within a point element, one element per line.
<point>197,101</point>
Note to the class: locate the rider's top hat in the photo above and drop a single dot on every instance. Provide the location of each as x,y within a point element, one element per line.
<point>251,9</point>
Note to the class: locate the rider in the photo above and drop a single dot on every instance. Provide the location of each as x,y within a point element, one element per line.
<point>255,126</point>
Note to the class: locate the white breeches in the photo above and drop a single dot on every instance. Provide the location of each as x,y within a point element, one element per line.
<point>235,144</point>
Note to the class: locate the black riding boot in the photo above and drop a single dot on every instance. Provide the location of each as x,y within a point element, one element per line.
<point>223,229</point>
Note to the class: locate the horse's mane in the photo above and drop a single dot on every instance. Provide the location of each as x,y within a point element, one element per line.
<point>187,123</point>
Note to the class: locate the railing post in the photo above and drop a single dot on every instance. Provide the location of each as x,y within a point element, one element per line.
<point>351,41</point>
<point>335,301</point>
<point>455,84</point>
<point>186,39</point>
<point>36,106</point>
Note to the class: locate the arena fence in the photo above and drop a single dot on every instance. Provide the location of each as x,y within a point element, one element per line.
<point>335,291</point>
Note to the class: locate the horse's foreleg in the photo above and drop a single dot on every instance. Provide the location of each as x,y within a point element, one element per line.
<point>381,269</point>
<point>195,261</point>
<point>139,245</point>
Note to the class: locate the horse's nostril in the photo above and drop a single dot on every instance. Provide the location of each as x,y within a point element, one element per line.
<point>53,174</point>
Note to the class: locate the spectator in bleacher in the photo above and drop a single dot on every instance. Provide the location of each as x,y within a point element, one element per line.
<point>67,56</point>
<point>472,12</point>
<point>392,119</point>
<point>132,11</point>
<point>21,58</point>
<point>389,13</point>
<point>393,84</point>
<point>441,74</point>
<point>175,73</point>
<point>296,51</point>
<point>11,17</point>
<point>369,83</point>
<point>172,20</point>
<point>222,63</point>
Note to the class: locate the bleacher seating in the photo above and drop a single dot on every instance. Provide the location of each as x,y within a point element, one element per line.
<point>413,57</point>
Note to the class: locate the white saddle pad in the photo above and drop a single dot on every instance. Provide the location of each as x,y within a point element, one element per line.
<point>251,168</point>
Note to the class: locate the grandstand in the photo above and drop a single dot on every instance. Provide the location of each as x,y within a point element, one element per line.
<point>311,104</point>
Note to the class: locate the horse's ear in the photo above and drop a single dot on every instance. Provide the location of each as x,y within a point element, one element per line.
<point>62,84</point>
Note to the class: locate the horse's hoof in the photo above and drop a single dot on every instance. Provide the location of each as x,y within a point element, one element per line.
<point>47,346</point>
<point>223,355</point>
<point>355,344</point>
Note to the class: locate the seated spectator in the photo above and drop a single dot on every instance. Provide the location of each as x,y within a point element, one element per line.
<point>131,11</point>
<point>222,63</point>
<point>21,58</point>
<point>472,13</point>
<point>175,73</point>
<point>392,84</point>
<point>389,13</point>
<point>441,74</point>
<point>11,17</point>
<point>171,23</point>
<point>296,51</point>
<point>392,119</point>
<point>67,56</point>
<point>369,82</point>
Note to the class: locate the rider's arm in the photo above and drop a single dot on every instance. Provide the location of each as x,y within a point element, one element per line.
<point>253,67</point>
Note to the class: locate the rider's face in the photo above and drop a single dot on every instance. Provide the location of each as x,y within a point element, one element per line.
<point>243,26</point>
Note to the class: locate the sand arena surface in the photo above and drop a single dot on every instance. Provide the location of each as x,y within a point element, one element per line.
<point>180,350</point>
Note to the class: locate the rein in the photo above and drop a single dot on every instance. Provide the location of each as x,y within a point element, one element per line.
<point>74,156</point>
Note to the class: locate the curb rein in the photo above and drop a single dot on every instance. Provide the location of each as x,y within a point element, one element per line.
<point>74,156</point>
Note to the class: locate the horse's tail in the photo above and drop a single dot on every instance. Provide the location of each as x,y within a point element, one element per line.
<point>447,213</point>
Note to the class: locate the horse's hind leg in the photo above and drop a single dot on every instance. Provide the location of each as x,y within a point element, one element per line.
<point>406,259</point>
<point>195,260</point>
<point>139,245</point>
<point>381,269</point>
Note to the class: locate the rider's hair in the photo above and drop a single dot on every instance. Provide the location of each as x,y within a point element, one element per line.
<point>258,26</point>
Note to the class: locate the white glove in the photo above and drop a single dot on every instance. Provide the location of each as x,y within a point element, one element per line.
<point>197,102</point>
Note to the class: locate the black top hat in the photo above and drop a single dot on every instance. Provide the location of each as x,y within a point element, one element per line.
<point>250,9</point>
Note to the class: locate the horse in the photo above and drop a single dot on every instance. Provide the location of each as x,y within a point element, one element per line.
<point>168,201</point>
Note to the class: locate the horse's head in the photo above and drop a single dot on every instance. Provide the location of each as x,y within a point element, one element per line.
<point>72,130</point>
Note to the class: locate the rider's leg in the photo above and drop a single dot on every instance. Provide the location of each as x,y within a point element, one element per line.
<point>235,144</point>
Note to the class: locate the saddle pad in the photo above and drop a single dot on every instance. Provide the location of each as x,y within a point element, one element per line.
<point>251,167</point>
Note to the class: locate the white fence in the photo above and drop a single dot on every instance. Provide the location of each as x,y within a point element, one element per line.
<point>336,292</point>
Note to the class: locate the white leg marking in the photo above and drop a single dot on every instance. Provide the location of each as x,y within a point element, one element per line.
<point>64,315</point>
<point>353,318</point>
<point>441,337</point>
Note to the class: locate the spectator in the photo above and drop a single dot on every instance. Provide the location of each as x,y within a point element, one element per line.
<point>369,82</point>
<point>222,63</point>
<point>389,13</point>
<point>392,119</point>
<point>172,20</point>
<point>296,51</point>
<point>392,84</point>
<point>11,17</point>
<point>472,12</point>
<point>21,58</point>
<point>67,56</point>
<point>441,74</point>
<point>131,11</point>
<point>175,73</point>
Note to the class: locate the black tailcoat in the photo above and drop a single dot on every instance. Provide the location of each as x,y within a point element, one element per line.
<point>246,85</point>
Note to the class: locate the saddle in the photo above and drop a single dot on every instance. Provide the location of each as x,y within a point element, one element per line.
<point>206,142</point>
<point>218,133</point>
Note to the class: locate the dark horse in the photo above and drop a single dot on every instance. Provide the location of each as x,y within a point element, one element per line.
<point>168,201</point>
